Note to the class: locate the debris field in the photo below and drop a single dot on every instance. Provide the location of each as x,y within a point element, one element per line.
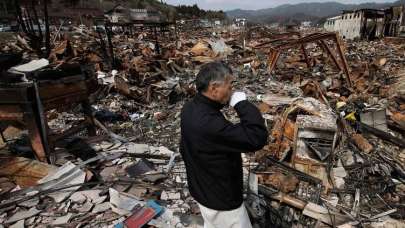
<point>90,134</point>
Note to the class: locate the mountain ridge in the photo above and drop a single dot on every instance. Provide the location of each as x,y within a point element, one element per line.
<point>312,11</point>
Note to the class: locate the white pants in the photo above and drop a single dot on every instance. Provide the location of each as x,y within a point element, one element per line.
<point>237,218</point>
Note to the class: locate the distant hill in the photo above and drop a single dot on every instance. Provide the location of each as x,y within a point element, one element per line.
<point>106,5</point>
<point>315,11</point>
<point>170,11</point>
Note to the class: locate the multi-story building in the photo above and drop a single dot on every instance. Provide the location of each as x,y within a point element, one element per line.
<point>358,24</point>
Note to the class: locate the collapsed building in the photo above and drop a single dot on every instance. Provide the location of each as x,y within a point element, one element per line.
<point>395,21</point>
<point>120,14</point>
<point>368,23</point>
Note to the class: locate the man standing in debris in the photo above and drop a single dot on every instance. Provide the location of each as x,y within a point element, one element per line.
<point>211,147</point>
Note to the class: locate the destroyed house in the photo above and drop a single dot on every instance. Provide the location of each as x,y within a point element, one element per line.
<point>240,22</point>
<point>368,23</point>
<point>395,21</point>
<point>138,14</point>
<point>117,14</point>
<point>205,23</point>
<point>198,23</point>
<point>120,14</point>
<point>357,24</point>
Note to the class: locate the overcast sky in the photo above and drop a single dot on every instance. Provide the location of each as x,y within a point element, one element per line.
<point>253,4</point>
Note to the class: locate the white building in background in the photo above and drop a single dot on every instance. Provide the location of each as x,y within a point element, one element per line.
<point>120,14</point>
<point>306,24</point>
<point>357,24</point>
<point>350,25</point>
<point>274,25</point>
<point>331,24</point>
<point>240,22</point>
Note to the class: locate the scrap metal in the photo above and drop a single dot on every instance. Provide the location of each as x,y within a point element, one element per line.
<point>288,41</point>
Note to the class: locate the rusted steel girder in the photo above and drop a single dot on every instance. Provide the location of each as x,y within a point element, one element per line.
<point>279,37</point>
<point>318,38</point>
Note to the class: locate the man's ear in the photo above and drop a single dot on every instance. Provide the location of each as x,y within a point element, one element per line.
<point>213,88</point>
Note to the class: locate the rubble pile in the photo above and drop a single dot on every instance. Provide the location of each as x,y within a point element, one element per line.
<point>335,155</point>
<point>349,139</point>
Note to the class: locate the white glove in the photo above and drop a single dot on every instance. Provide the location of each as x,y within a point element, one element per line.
<point>236,98</point>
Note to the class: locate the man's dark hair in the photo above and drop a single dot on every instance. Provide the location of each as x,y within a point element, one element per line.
<point>211,72</point>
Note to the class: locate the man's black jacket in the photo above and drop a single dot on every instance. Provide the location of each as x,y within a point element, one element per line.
<point>211,148</point>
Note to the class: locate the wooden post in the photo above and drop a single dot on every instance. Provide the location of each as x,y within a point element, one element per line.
<point>47,34</point>
<point>89,116</point>
<point>110,44</point>
<point>41,37</point>
<point>19,16</point>
<point>35,135</point>
<point>275,54</point>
